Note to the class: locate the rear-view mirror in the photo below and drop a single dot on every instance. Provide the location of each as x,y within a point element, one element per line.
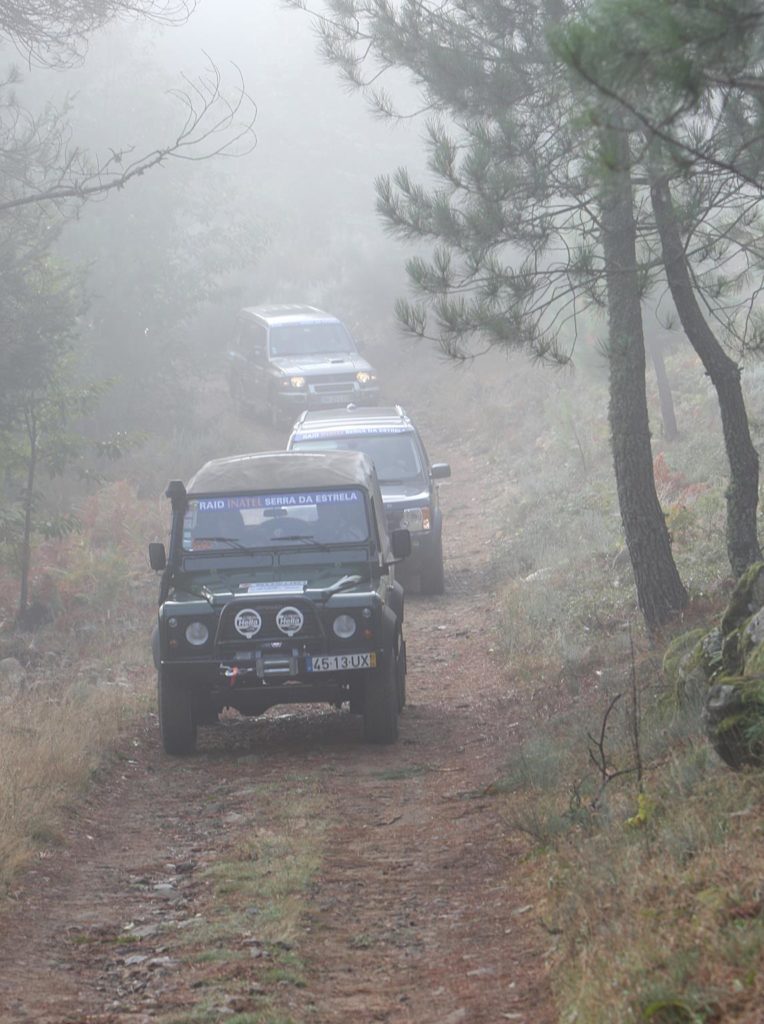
<point>440,470</point>
<point>157,557</point>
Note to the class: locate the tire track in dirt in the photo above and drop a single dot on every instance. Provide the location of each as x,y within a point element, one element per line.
<point>418,912</point>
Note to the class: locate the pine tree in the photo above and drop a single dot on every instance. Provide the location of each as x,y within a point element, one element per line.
<point>532,220</point>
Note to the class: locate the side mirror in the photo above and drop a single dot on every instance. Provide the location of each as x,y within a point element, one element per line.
<point>440,470</point>
<point>401,543</point>
<point>157,557</point>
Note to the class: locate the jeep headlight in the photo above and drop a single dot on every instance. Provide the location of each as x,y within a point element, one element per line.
<point>295,382</point>
<point>344,626</point>
<point>364,377</point>
<point>197,634</point>
<point>416,519</point>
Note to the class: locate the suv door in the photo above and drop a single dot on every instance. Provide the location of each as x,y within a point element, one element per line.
<point>249,363</point>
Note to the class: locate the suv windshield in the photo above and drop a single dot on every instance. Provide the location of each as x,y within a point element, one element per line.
<point>309,339</point>
<point>257,521</point>
<point>395,456</point>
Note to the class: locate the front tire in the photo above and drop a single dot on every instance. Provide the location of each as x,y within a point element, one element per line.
<point>400,672</point>
<point>177,722</point>
<point>380,710</point>
<point>433,578</point>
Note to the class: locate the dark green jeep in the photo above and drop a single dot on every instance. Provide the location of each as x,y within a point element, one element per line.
<point>279,588</point>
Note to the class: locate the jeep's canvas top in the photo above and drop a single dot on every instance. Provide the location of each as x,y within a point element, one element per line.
<point>265,471</point>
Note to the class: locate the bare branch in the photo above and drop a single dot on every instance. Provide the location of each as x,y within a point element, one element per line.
<point>54,33</point>
<point>39,164</point>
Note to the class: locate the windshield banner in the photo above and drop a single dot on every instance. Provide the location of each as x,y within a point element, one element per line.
<point>277,500</point>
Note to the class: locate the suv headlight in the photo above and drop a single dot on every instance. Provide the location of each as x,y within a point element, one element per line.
<point>416,519</point>
<point>364,377</point>
<point>295,382</point>
<point>197,634</point>
<point>344,626</point>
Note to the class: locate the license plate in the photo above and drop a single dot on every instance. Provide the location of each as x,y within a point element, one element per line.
<point>340,662</point>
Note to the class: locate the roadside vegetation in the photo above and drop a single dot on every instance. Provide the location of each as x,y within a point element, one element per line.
<point>643,846</point>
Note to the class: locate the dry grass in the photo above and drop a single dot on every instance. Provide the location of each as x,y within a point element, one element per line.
<point>87,674</point>
<point>50,746</point>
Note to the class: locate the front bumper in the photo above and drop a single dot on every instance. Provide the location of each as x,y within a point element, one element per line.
<point>310,652</point>
<point>314,397</point>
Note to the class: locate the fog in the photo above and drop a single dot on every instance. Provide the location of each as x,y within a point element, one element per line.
<point>289,217</point>
<point>306,188</point>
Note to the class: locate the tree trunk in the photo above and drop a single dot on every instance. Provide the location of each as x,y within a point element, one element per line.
<point>670,429</point>
<point>660,591</point>
<point>743,491</point>
<point>26,540</point>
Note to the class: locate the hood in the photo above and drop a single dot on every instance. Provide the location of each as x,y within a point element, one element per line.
<point>395,496</point>
<point>279,584</point>
<point>319,365</point>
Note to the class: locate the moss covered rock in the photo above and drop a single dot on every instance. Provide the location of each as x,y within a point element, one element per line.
<point>746,599</point>
<point>684,667</point>
<point>711,652</point>
<point>722,670</point>
<point>734,720</point>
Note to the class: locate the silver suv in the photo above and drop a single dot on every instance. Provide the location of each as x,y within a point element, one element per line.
<point>288,358</point>
<point>406,477</point>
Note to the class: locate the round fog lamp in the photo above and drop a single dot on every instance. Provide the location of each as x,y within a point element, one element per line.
<point>344,626</point>
<point>197,634</point>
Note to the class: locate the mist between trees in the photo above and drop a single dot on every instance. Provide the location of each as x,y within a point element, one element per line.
<point>570,180</point>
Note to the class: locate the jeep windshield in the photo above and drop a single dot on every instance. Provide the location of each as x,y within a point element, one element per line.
<point>395,456</point>
<point>273,521</point>
<point>310,339</point>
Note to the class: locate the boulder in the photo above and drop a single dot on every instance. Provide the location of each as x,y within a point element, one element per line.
<point>734,720</point>
<point>722,670</point>
<point>734,705</point>
<point>684,668</point>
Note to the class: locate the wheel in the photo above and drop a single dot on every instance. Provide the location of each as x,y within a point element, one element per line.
<point>433,579</point>
<point>380,710</point>
<point>177,723</point>
<point>400,671</point>
<point>205,713</point>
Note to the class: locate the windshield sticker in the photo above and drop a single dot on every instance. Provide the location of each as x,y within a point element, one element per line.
<point>277,500</point>
<point>248,622</point>
<point>275,587</point>
<point>290,620</point>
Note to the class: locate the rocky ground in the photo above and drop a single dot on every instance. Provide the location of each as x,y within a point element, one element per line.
<point>411,904</point>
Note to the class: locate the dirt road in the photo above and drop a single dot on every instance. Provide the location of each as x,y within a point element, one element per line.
<point>290,873</point>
